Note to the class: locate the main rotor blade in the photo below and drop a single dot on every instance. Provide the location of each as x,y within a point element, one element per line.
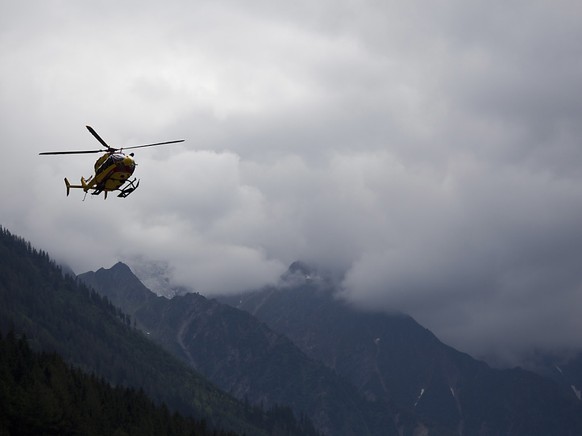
<point>73,152</point>
<point>94,133</point>
<point>152,145</point>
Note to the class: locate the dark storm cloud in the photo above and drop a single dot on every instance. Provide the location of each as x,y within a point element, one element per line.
<point>428,152</point>
<point>496,256</point>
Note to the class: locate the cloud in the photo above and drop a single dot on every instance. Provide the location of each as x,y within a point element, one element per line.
<point>486,263</point>
<point>428,153</point>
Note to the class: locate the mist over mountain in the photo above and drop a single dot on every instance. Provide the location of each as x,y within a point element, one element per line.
<point>393,358</point>
<point>156,276</point>
<point>342,371</point>
<point>400,368</point>
<point>430,151</point>
<point>243,356</point>
<point>58,314</point>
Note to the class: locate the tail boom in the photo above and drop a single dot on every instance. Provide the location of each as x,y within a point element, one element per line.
<point>69,186</point>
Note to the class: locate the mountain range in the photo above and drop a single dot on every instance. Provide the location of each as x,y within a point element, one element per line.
<point>243,356</point>
<point>288,359</point>
<point>55,313</point>
<point>392,357</point>
<point>350,372</point>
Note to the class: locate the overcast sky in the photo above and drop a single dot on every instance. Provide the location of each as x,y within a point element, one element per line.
<point>430,151</point>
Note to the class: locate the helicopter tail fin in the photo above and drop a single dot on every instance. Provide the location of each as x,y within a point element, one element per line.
<point>68,185</point>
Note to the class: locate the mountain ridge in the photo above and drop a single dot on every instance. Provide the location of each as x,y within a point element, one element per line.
<point>392,357</point>
<point>58,314</point>
<point>244,357</point>
<point>393,360</point>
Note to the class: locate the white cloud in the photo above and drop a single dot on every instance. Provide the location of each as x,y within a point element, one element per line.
<point>429,151</point>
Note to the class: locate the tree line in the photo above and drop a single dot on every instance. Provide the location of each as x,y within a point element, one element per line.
<point>41,394</point>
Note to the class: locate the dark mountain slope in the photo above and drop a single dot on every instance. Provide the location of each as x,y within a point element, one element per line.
<point>393,358</point>
<point>565,368</point>
<point>60,315</point>
<point>40,394</point>
<point>245,357</point>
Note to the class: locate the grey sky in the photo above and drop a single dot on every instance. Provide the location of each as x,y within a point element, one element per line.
<point>429,150</point>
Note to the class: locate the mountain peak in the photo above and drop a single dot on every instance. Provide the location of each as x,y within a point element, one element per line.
<point>121,267</point>
<point>118,268</point>
<point>119,284</point>
<point>299,273</point>
<point>299,266</point>
<point>118,272</point>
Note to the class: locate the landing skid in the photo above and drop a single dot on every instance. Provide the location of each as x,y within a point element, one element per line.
<point>129,188</point>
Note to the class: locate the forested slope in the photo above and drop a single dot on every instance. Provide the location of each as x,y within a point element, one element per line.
<point>58,314</point>
<point>41,394</point>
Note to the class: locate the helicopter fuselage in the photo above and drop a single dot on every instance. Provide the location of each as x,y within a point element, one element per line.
<point>112,170</point>
<point>112,173</point>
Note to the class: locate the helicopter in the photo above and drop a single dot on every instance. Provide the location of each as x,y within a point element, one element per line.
<point>112,170</point>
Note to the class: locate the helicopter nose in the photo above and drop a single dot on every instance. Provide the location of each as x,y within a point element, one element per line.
<point>128,161</point>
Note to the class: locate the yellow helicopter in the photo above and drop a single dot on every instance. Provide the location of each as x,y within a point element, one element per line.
<point>112,170</point>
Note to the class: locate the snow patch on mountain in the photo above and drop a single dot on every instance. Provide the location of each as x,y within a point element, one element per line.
<point>419,396</point>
